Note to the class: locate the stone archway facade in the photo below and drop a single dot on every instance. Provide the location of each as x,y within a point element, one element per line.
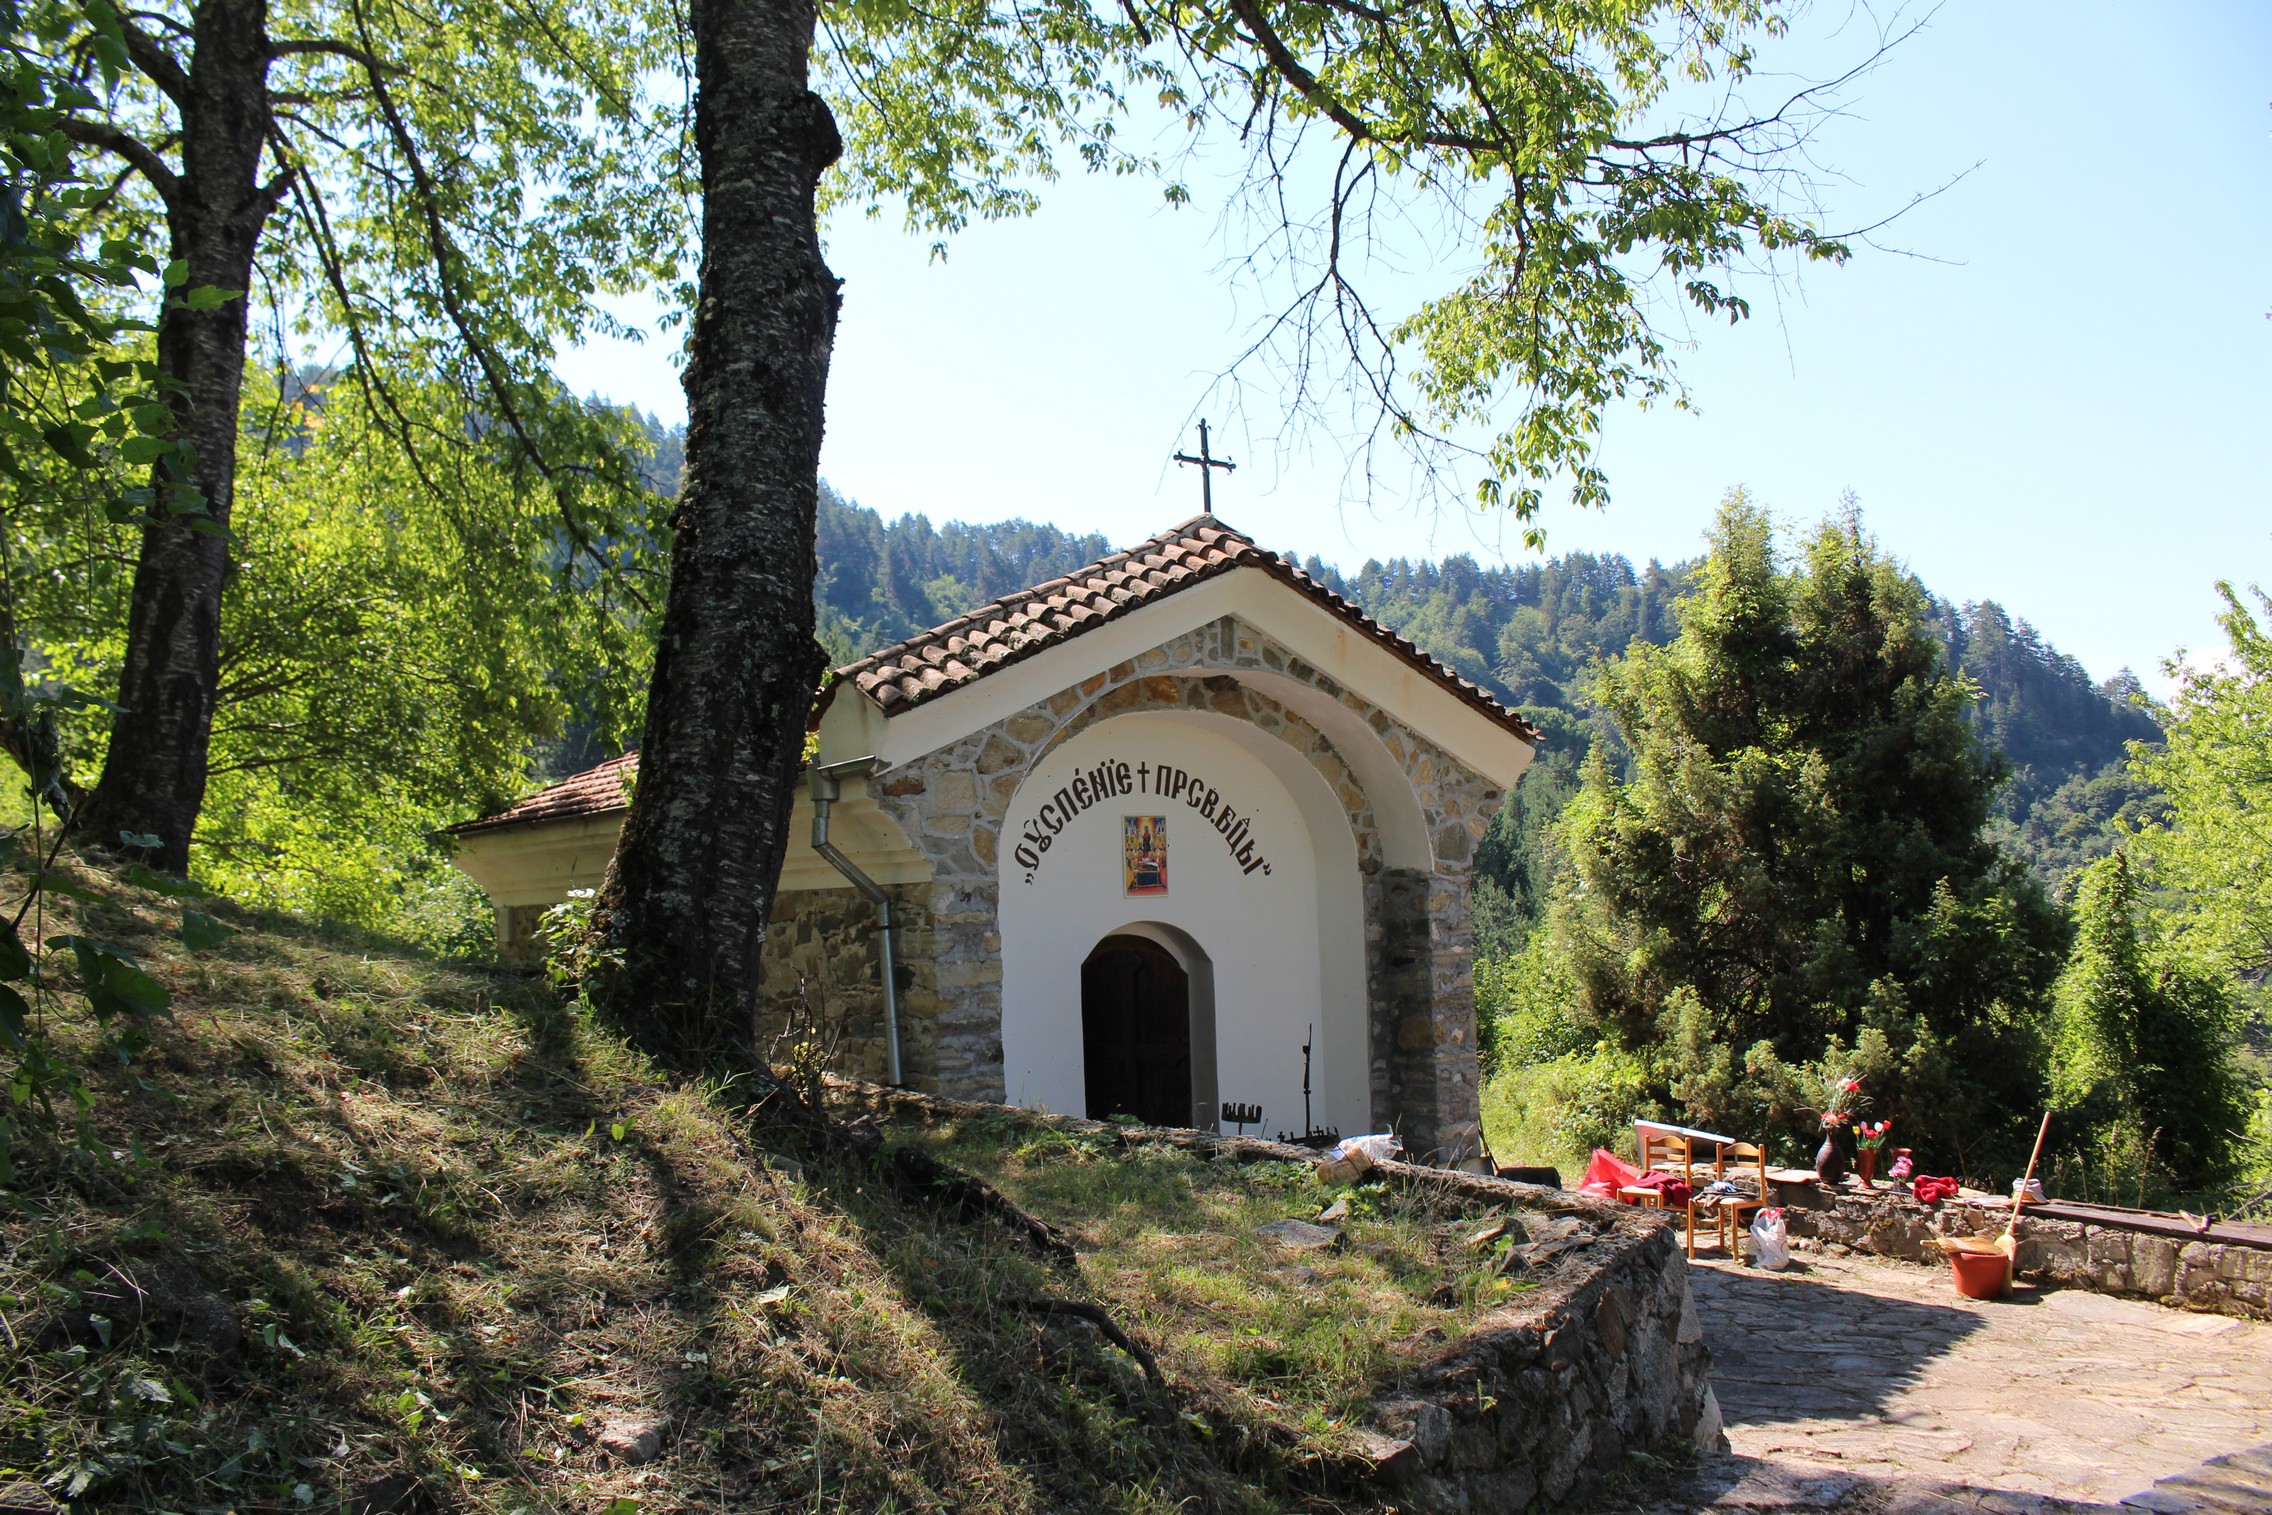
<point>952,805</point>
<point>1394,763</point>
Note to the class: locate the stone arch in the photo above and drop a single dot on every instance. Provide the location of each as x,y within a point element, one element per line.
<point>1414,813</point>
<point>1214,692</point>
<point>1287,948</point>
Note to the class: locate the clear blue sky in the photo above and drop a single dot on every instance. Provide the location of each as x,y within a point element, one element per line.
<point>2065,405</point>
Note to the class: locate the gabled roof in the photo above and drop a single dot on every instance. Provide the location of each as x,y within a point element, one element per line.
<point>908,674</point>
<point>595,791</point>
<point>1017,626</point>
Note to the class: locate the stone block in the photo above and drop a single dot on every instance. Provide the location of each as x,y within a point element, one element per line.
<point>2153,1265</point>
<point>1125,698</point>
<point>2050,1255</point>
<point>954,790</point>
<point>981,974</point>
<point>1028,727</point>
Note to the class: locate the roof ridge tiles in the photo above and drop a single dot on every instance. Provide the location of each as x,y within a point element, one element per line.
<point>1185,554</point>
<point>1025,622</point>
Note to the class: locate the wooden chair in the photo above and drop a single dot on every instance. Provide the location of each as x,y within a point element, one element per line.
<point>1750,1165</point>
<point>1659,1151</point>
<point>1658,1148</point>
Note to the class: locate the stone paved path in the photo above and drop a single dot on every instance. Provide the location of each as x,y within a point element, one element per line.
<point>1852,1385</point>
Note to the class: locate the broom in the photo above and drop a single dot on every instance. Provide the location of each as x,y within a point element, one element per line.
<point>2008,1243</point>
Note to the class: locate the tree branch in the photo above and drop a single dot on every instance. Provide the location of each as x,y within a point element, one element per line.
<point>1095,1315</point>
<point>159,66</point>
<point>125,145</point>
<point>348,50</point>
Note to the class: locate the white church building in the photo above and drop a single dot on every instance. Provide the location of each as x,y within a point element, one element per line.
<point>1179,830</point>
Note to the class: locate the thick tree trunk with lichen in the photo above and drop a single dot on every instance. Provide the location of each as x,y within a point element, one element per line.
<point>154,772</point>
<point>683,911</point>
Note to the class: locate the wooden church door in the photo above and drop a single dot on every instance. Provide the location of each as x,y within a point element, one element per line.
<point>1136,1032</point>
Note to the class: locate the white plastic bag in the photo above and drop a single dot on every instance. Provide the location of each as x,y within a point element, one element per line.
<point>1770,1241</point>
<point>1347,1160</point>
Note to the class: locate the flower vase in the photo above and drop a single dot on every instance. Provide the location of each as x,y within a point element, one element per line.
<point>1830,1164</point>
<point>1866,1164</point>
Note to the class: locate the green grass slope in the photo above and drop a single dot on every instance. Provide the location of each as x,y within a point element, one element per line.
<point>374,1232</point>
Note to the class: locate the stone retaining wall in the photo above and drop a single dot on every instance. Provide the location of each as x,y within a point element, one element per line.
<point>1542,1398</point>
<point>1605,1357</point>
<point>2217,1276</point>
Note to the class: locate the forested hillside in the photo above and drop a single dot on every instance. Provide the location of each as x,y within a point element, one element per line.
<point>879,583</point>
<point>1538,634</point>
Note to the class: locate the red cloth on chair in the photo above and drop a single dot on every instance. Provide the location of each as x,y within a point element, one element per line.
<point>1607,1174</point>
<point>1933,1190</point>
<point>1674,1188</point>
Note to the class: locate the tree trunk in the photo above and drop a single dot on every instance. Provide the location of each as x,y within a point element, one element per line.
<point>154,773</point>
<point>684,908</point>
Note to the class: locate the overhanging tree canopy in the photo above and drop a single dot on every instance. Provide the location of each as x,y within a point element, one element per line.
<point>1528,123</point>
<point>449,189</point>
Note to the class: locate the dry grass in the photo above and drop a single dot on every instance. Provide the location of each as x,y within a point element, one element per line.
<point>1297,1339</point>
<point>463,1228</point>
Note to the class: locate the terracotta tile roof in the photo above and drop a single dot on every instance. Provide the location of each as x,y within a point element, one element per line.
<point>595,791</point>
<point>1017,626</point>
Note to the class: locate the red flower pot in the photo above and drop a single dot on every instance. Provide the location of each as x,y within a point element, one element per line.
<point>1866,1164</point>
<point>1980,1275</point>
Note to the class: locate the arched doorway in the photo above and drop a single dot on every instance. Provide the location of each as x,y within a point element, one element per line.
<point>1136,1032</point>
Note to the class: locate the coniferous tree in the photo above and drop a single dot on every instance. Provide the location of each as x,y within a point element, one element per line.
<point>2144,1043</point>
<point>1796,869</point>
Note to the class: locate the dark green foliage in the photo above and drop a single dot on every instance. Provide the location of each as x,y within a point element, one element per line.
<point>1517,861</point>
<point>2064,738</point>
<point>1796,866</point>
<point>879,583</point>
<point>2143,1054</point>
<point>2081,820</point>
<point>2037,705</point>
<point>1532,634</point>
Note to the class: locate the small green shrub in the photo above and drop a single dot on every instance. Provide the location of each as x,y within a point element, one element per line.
<point>1560,1110</point>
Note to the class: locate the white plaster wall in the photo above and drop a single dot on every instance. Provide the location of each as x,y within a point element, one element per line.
<point>1286,946</point>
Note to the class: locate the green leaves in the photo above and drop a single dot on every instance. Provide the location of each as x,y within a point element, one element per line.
<point>144,877</point>
<point>15,961</point>
<point>2215,852</point>
<point>201,933</point>
<point>2146,1043</point>
<point>112,981</point>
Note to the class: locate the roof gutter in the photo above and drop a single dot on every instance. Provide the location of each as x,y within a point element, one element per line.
<point>827,786</point>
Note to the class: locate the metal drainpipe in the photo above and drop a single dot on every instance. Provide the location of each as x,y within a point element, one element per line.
<point>827,787</point>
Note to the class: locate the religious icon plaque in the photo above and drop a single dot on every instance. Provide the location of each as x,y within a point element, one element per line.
<point>1144,854</point>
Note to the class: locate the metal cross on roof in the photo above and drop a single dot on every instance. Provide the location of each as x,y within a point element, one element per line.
<point>1207,463</point>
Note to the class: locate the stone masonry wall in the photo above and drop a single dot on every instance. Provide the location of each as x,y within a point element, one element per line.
<point>1419,943</point>
<point>1538,1401</point>
<point>821,947</point>
<point>2218,1277</point>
